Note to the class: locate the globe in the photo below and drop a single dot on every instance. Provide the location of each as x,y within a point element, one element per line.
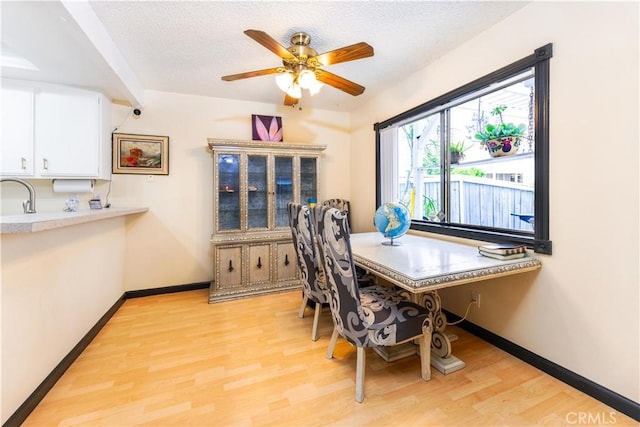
<point>392,220</point>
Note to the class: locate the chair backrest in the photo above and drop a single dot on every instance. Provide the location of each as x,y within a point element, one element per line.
<point>341,205</point>
<point>334,246</point>
<point>303,233</point>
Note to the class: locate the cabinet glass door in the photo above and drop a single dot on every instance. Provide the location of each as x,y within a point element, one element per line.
<point>228,192</point>
<point>308,180</point>
<point>284,189</point>
<point>257,192</point>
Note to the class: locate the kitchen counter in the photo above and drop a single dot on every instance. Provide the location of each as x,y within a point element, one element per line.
<point>31,223</point>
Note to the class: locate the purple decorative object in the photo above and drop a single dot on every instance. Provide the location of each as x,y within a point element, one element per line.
<point>266,128</point>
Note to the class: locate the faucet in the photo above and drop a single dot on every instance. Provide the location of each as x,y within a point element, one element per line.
<point>29,206</point>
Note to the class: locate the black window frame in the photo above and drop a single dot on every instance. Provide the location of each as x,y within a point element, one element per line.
<point>539,241</point>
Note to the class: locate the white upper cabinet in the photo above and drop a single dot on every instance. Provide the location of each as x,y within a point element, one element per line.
<point>17,131</point>
<point>66,135</point>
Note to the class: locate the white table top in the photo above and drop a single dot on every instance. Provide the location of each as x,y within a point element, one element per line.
<point>421,264</point>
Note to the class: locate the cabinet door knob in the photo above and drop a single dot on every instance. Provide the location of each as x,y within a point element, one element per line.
<point>286,259</point>
<point>259,262</point>
<point>230,266</point>
<point>45,164</point>
<point>23,163</point>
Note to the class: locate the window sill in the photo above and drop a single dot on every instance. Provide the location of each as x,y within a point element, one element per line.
<point>485,235</point>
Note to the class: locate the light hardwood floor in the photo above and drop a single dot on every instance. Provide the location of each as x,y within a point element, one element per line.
<point>175,360</point>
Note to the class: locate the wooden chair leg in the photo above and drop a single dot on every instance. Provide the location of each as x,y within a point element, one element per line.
<point>332,343</point>
<point>360,361</point>
<point>316,319</point>
<point>425,356</point>
<point>305,298</point>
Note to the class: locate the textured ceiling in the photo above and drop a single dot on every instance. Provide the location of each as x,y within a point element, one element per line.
<point>186,47</point>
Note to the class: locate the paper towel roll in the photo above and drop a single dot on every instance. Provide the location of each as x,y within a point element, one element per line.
<point>72,185</point>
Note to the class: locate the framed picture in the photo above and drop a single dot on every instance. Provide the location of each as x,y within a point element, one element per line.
<point>95,204</point>
<point>266,128</point>
<point>140,154</point>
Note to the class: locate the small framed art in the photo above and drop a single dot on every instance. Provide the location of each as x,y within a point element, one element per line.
<point>95,204</point>
<point>140,154</point>
<point>266,128</point>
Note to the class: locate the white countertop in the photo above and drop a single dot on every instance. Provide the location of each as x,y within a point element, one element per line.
<point>31,223</point>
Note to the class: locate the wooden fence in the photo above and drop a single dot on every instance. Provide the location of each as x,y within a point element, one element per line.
<point>480,201</point>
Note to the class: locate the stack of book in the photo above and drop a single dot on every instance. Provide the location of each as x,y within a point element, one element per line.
<point>503,251</point>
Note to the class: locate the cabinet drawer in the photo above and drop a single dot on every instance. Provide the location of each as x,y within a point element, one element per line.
<point>228,267</point>
<point>259,263</point>
<point>286,266</point>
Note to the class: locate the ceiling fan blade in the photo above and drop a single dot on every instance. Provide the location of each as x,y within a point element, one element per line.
<point>290,101</point>
<point>344,54</point>
<point>248,74</point>
<point>270,43</point>
<point>339,82</point>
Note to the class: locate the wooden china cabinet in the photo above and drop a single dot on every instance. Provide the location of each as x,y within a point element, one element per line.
<point>252,183</point>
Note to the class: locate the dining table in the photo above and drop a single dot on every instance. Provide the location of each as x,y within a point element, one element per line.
<point>420,266</point>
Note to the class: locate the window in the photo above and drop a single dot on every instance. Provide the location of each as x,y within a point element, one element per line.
<point>473,163</point>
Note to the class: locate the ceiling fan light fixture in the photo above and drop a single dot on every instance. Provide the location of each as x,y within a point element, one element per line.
<point>294,91</point>
<point>315,87</point>
<point>302,66</point>
<point>284,80</point>
<point>306,79</point>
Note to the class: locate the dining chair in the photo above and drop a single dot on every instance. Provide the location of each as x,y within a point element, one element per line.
<point>314,287</point>
<point>340,204</point>
<point>365,317</point>
<point>364,277</point>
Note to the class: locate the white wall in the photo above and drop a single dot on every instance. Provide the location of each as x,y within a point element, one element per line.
<point>56,285</point>
<point>582,309</point>
<point>170,245</point>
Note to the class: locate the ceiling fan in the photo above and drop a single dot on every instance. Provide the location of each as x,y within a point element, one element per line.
<point>302,66</point>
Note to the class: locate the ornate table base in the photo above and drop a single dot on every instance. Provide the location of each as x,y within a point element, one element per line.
<point>446,365</point>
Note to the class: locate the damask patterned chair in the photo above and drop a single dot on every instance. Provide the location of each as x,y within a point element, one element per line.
<point>366,317</point>
<point>340,204</point>
<point>364,278</point>
<point>311,274</point>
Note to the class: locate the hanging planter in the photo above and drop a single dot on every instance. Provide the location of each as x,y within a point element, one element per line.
<point>456,152</point>
<point>501,147</point>
<point>502,139</point>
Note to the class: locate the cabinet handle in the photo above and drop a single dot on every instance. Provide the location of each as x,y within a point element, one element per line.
<point>23,163</point>
<point>45,164</point>
<point>230,269</point>
<point>259,262</point>
<point>286,259</point>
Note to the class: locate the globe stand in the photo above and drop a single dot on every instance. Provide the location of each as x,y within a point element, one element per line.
<point>391,243</point>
